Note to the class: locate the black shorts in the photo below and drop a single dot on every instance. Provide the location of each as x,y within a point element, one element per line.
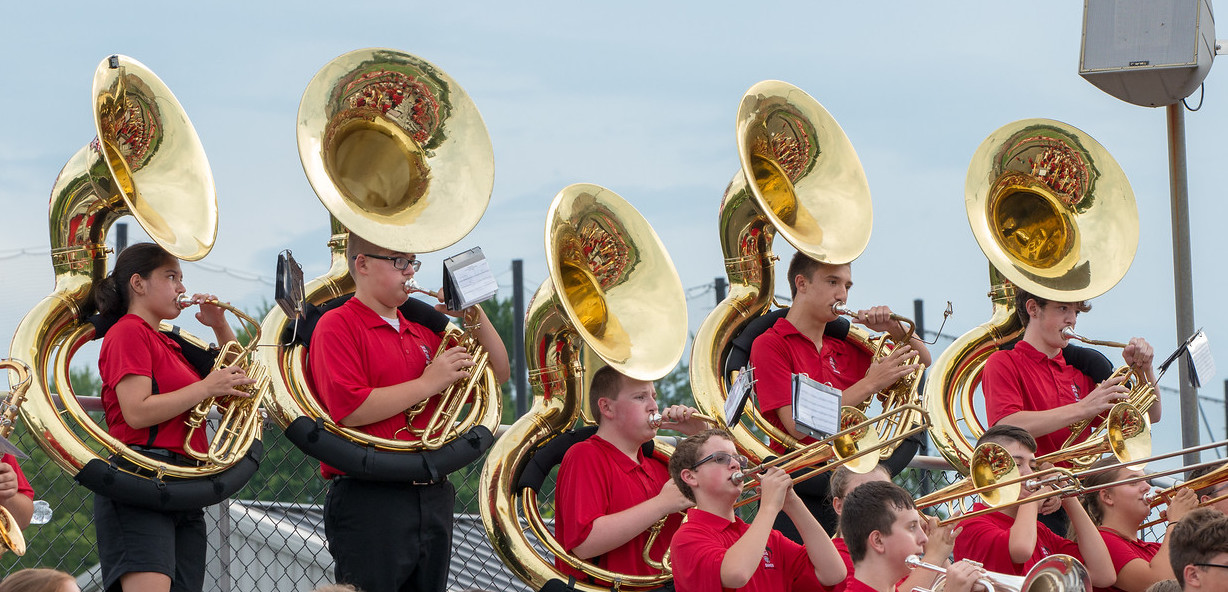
<point>388,537</point>
<point>133,539</point>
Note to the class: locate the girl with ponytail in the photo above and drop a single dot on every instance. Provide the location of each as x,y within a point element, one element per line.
<point>148,389</point>
<point>1118,512</point>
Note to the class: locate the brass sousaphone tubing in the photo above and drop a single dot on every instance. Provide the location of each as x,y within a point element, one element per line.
<point>852,446</point>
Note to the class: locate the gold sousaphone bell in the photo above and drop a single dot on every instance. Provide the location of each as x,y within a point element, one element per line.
<point>1054,214</point>
<point>614,291</point>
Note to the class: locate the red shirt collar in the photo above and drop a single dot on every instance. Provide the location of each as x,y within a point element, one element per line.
<point>710,520</point>
<point>1028,351</point>
<point>623,461</point>
<point>136,319</point>
<point>369,317</point>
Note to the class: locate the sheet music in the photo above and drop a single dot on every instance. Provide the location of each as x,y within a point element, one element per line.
<point>739,392</point>
<point>1202,365</point>
<point>473,279</point>
<point>816,406</point>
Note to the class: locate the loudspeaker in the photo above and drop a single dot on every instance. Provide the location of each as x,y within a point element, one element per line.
<point>1147,52</point>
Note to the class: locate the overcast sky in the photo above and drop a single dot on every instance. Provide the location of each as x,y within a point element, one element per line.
<point>640,98</point>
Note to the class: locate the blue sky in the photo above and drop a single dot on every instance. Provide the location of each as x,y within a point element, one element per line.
<point>638,97</point>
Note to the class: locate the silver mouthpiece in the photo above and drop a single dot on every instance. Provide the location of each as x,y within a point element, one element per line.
<point>183,300</point>
<point>655,420</point>
<point>840,309</point>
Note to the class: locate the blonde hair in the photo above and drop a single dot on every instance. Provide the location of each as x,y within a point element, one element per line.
<point>35,580</point>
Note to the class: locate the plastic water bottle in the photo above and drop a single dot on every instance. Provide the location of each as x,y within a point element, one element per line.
<point>42,512</point>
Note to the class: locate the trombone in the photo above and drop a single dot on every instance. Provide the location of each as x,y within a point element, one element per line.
<point>1219,475</point>
<point>852,446</point>
<point>1127,435</point>
<point>1066,483</point>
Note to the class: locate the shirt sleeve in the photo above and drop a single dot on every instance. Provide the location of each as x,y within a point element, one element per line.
<point>773,364</point>
<point>1119,550</point>
<point>699,555</point>
<point>23,485</point>
<point>984,542</point>
<point>1003,387</point>
<point>124,352</point>
<point>799,570</point>
<point>338,368</point>
<point>581,495</point>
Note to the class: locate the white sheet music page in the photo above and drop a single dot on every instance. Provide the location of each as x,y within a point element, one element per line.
<point>1202,365</point>
<point>474,280</point>
<point>739,391</point>
<point>816,406</point>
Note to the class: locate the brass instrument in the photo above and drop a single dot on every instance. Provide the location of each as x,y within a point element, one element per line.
<point>397,152</point>
<point>605,262</point>
<point>1054,214</point>
<point>1055,573</point>
<point>1126,434</point>
<point>147,162</point>
<point>901,394</point>
<point>992,475</point>
<point>854,446</point>
<point>242,420</point>
<point>1001,493</point>
<point>656,422</point>
<point>800,177</point>
<point>11,538</point>
<point>1162,497</point>
<point>1142,393</point>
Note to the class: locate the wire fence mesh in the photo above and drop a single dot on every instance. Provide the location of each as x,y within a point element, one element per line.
<point>270,536</point>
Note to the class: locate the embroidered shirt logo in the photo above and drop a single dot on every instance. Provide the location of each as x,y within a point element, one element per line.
<point>426,353</point>
<point>831,361</point>
<point>767,558</point>
<point>1074,389</point>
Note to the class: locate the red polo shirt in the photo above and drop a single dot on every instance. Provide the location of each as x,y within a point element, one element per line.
<point>852,584</point>
<point>596,479</point>
<point>23,485</point>
<point>131,346</point>
<point>700,544</point>
<point>843,550</point>
<point>986,539</point>
<point>354,351</point>
<point>1024,379</point>
<point>782,351</point>
<point>1123,551</point>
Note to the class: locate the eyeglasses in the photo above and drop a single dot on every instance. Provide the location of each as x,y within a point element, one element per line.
<point>1210,565</point>
<point>399,263</point>
<point>721,458</point>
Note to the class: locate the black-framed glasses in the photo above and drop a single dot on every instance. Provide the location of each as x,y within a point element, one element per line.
<point>399,263</point>
<point>721,458</point>
<point>1210,565</point>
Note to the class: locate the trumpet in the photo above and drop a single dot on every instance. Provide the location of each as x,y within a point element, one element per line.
<point>854,446</point>
<point>242,418</point>
<point>1142,393</point>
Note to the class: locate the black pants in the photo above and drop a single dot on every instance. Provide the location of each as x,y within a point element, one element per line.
<point>390,537</point>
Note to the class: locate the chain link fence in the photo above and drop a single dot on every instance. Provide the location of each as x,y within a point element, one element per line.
<point>270,536</point>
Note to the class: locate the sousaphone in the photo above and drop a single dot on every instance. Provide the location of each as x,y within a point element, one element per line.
<point>398,153</point>
<point>613,291</point>
<point>147,162</point>
<point>1054,214</point>
<point>800,177</point>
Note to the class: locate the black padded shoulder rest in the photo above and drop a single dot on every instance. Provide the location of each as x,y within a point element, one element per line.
<point>414,310</point>
<point>550,455</point>
<point>200,359</point>
<point>1084,359</point>
<point>367,463</point>
<point>739,348</point>
<point>108,480</point>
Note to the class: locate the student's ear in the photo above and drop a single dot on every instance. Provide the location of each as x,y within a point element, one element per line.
<point>1032,307</point>
<point>136,284</point>
<point>1106,498</point>
<point>875,541</point>
<point>1191,574</point>
<point>837,504</point>
<point>689,478</point>
<point>603,405</point>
